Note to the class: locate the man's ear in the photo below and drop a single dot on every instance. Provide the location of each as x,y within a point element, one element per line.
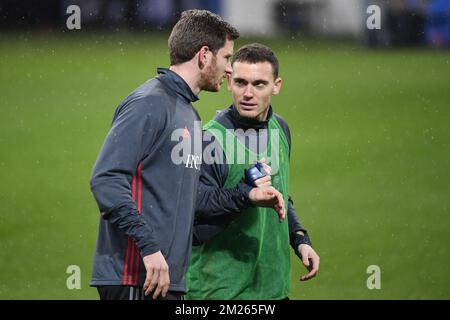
<point>277,86</point>
<point>203,56</point>
<point>229,79</point>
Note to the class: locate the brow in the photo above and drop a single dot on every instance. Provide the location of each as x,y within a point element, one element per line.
<point>255,82</point>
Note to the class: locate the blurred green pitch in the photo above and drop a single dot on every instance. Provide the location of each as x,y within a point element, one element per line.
<point>370,159</point>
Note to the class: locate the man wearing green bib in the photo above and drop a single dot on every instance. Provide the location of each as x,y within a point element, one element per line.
<point>241,251</point>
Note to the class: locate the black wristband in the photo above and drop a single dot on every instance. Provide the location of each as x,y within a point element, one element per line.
<point>244,190</point>
<point>301,239</point>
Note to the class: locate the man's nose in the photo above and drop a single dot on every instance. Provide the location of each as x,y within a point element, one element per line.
<point>228,69</point>
<point>248,93</point>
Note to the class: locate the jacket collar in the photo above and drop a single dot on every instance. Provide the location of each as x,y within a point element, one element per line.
<point>247,123</point>
<point>177,84</point>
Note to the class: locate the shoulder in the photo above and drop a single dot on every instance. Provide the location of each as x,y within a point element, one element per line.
<point>149,99</point>
<point>283,125</point>
<point>224,117</point>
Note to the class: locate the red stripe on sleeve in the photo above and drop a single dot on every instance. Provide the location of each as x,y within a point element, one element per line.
<point>125,270</point>
<point>130,277</point>
<point>138,255</point>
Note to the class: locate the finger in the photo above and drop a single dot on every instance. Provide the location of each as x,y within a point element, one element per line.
<point>304,252</point>
<point>314,269</point>
<point>264,184</point>
<point>280,200</point>
<point>279,197</point>
<point>267,169</point>
<point>310,275</point>
<point>261,182</point>
<point>157,292</point>
<point>262,160</point>
<point>153,282</point>
<point>280,211</point>
<point>163,285</point>
<point>165,288</point>
<point>315,261</point>
<point>305,259</point>
<point>305,278</point>
<point>277,207</point>
<point>148,279</point>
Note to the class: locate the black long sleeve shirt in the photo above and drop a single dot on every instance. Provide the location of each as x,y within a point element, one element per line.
<point>217,206</point>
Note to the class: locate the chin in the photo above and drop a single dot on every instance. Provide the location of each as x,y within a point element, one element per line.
<point>247,113</point>
<point>212,88</point>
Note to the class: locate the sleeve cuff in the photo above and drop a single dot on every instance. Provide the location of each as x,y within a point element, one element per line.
<point>148,250</point>
<point>244,190</point>
<point>301,239</point>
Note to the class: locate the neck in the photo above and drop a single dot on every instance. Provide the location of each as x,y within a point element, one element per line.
<point>188,72</point>
<point>247,123</point>
<point>263,116</point>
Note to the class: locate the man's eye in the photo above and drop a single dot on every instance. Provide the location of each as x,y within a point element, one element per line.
<point>260,85</point>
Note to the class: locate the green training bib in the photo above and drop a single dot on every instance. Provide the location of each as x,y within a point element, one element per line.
<point>250,259</point>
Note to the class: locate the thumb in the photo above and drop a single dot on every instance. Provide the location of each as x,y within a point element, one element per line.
<point>305,259</point>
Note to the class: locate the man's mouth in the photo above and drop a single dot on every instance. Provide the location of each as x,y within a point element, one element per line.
<point>248,105</point>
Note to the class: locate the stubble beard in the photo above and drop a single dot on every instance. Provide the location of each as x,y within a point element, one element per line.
<point>208,79</point>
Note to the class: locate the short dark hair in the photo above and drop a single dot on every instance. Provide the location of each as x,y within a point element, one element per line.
<point>254,53</point>
<point>195,29</point>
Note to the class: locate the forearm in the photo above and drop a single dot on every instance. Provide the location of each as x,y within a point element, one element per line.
<point>216,201</point>
<point>297,233</point>
<point>124,215</point>
<point>127,219</point>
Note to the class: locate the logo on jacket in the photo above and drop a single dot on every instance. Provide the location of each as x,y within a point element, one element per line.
<point>193,161</point>
<point>188,149</point>
<point>186,133</point>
